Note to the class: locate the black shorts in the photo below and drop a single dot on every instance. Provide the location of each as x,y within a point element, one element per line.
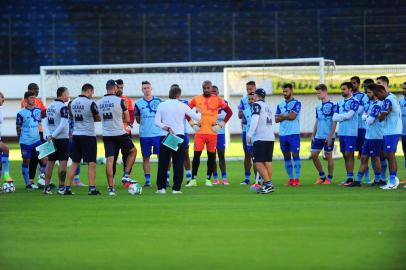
<point>263,151</point>
<point>112,144</point>
<point>62,150</point>
<point>83,147</point>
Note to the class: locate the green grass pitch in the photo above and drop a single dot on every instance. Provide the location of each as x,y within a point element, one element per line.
<point>309,227</point>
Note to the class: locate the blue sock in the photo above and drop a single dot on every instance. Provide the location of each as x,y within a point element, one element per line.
<point>215,176</point>
<point>24,171</point>
<point>367,179</point>
<point>224,175</point>
<point>392,177</point>
<point>6,163</point>
<point>42,169</point>
<point>383,171</point>
<point>297,166</point>
<point>350,175</point>
<point>322,175</point>
<point>289,168</point>
<point>359,177</point>
<point>188,175</point>
<point>247,175</point>
<point>111,189</point>
<point>67,188</point>
<point>269,183</point>
<point>377,177</point>
<point>147,177</point>
<point>77,171</point>
<point>330,177</point>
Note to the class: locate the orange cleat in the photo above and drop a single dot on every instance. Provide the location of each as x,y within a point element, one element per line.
<point>319,181</point>
<point>327,182</point>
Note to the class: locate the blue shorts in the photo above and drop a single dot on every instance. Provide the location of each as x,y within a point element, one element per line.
<point>347,143</point>
<point>390,143</point>
<point>318,144</point>
<point>360,139</point>
<point>28,151</point>
<point>186,141</point>
<point>290,143</point>
<point>221,141</point>
<point>372,148</point>
<point>244,141</point>
<point>150,145</point>
<point>404,144</point>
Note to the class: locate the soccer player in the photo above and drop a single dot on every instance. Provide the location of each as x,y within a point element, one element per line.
<point>347,115</point>
<point>114,113</point>
<point>403,108</point>
<point>363,101</point>
<point>84,112</point>
<point>150,135</point>
<point>245,107</point>
<point>391,117</point>
<point>57,130</point>
<point>4,150</point>
<point>323,135</point>
<point>288,115</point>
<point>127,127</point>
<point>206,130</point>
<point>261,135</point>
<point>221,146</point>
<point>372,146</point>
<point>34,160</point>
<point>27,126</point>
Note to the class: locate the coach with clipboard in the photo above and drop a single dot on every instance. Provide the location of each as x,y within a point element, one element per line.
<point>170,117</point>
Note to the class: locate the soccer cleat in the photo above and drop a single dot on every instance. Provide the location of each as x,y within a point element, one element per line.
<point>208,183</point>
<point>290,182</point>
<point>192,183</point>
<point>79,183</point>
<point>245,182</point>
<point>34,186</point>
<point>225,182</point>
<point>319,181</point>
<point>47,192</point>
<point>255,187</point>
<point>176,192</point>
<point>404,182</point>
<point>112,193</point>
<point>28,187</point>
<point>94,192</point>
<point>161,191</point>
<point>354,184</point>
<point>68,192</point>
<point>216,182</point>
<point>127,179</point>
<point>347,182</point>
<point>147,184</point>
<point>61,191</point>
<point>389,186</point>
<point>327,182</point>
<point>265,189</point>
<point>296,182</point>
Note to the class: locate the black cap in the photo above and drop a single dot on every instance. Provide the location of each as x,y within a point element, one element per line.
<point>110,83</point>
<point>260,92</point>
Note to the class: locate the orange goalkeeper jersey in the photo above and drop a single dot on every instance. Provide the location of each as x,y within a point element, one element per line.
<point>208,107</point>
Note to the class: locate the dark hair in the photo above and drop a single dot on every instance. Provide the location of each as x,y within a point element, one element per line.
<point>28,94</point>
<point>321,87</point>
<point>356,78</point>
<point>287,85</point>
<point>404,84</point>
<point>378,88</point>
<point>368,81</point>
<point>175,84</point>
<point>86,87</point>
<point>383,78</point>
<point>174,92</point>
<point>215,87</point>
<point>32,86</point>
<point>251,83</point>
<point>348,84</point>
<point>371,86</point>
<point>60,91</point>
<point>145,82</point>
<point>119,81</point>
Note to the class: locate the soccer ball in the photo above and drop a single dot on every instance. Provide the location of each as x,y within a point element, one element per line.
<point>8,188</point>
<point>135,189</point>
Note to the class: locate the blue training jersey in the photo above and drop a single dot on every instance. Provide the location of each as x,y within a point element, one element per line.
<point>392,125</point>
<point>244,104</point>
<point>220,117</point>
<point>29,121</point>
<point>348,127</point>
<point>403,108</point>
<point>363,107</point>
<point>324,116</point>
<point>146,110</point>
<point>289,127</point>
<point>185,123</point>
<point>374,130</point>
<point>246,117</point>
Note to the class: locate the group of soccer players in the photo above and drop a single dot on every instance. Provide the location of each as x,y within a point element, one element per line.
<point>369,122</point>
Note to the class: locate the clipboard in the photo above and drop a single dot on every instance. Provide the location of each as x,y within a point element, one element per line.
<point>172,141</point>
<point>45,149</point>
